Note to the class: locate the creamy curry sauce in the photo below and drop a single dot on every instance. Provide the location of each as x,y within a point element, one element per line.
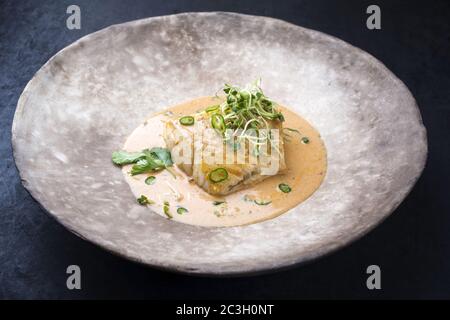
<point>306,168</point>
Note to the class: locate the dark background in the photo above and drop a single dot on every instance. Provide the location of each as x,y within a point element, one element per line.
<point>412,247</point>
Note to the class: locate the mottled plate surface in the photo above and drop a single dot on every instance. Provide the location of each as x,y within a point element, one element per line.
<point>87,99</point>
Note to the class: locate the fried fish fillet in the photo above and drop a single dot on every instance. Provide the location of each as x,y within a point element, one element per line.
<point>199,150</point>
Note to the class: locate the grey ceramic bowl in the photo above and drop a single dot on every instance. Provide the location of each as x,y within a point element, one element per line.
<point>82,104</point>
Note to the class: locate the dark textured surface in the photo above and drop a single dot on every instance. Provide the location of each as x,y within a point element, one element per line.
<point>412,247</point>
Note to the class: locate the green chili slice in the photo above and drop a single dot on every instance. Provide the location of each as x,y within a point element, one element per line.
<point>187,120</point>
<point>150,180</point>
<point>212,109</point>
<point>218,175</point>
<point>284,188</point>
<point>263,202</point>
<point>218,122</point>
<point>182,210</point>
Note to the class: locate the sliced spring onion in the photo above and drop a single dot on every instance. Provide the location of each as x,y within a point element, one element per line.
<point>263,202</point>
<point>292,130</point>
<point>150,180</point>
<point>187,120</point>
<point>216,203</point>
<point>143,200</point>
<point>284,187</point>
<point>182,210</point>
<point>212,109</point>
<point>218,122</point>
<point>166,210</point>
<point>244,108</point>
<point>218,175</point>
<point>287,136</point>
<point>286,130</point>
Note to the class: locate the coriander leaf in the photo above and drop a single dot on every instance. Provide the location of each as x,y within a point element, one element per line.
<point>147,160</point>
<point>154,162</point>
<point>123,157</point>
<point>143,200</point>
<point>163,154</point>
<point>140,167</point>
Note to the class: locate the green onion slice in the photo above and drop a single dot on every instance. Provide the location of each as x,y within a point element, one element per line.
<point>305,140</point>
<point>166,210</point>
<point>182,210</point>
<point>150,180</point>
<point>212,109</point>
<point>263,202</point>
<point>216,203</point>
<point>284,188</point>
<point>218,122</point>
<point>218,175</point>
<point>187,120</point>
<point>292,130</point>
